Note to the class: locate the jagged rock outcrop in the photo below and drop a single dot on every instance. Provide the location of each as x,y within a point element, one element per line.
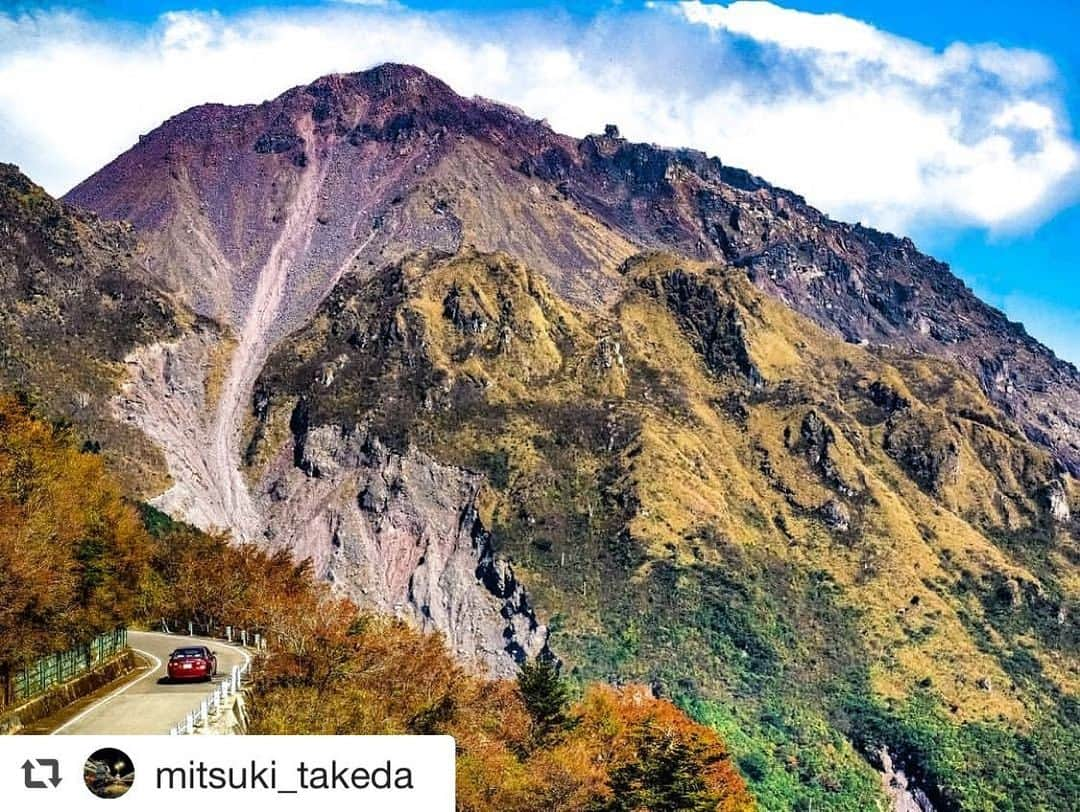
<point>1056,499</point>
<point>401,533</point>
<point>924,445</point>
<point>817,442</point>
<point>836,515</point>
<point>716,325</point>
<point>903,795</point>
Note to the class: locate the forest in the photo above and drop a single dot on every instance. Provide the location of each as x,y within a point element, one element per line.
<point>78,557</point>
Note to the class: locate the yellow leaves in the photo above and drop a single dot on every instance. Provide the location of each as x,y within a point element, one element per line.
<point>396,679</point>
<point>73,553</point>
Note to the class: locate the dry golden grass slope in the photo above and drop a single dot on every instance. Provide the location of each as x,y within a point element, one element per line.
<point>703,489</point>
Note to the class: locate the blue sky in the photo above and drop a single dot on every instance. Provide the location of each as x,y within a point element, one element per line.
<point>1033,276</point>
<point>951,122</point>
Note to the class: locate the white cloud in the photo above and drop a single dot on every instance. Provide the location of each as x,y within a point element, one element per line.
<point>892,132</point>
<point>865,124</point>
<point>841,38</point>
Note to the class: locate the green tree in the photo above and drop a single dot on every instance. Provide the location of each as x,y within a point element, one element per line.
<point>546,696</point>
<point>668,775</point>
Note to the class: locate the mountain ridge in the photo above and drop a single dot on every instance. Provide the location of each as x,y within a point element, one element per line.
<point>524,388</point>
<point>862,284</point>
<point>77,301</point>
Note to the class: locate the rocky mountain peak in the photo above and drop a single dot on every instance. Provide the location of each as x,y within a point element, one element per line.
<point>403,83</point>
<point>360,169</point>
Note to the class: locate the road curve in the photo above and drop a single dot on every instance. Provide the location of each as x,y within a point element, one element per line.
<point>150,704</point>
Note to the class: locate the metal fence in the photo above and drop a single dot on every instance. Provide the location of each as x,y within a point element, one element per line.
<point>54,669</point>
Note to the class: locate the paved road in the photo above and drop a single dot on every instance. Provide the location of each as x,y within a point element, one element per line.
<point>150,704</point>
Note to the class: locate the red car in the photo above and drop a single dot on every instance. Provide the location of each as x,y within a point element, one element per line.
<point>193,662</point>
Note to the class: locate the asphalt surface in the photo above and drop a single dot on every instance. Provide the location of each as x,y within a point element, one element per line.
<point>150,703</point>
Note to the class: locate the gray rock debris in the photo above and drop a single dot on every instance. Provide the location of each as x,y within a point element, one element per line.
<point>1057,501</point>
<point>401,533</point>
<point>836,515</point>
<point>903,795</point>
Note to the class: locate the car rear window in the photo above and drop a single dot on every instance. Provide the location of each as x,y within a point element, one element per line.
<point>188,652</point>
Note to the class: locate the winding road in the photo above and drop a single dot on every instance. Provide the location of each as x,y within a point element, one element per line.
<point>150,703</point>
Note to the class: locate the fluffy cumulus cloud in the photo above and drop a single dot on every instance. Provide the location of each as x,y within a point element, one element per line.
<point>890,131</point>
<point>865,124</point>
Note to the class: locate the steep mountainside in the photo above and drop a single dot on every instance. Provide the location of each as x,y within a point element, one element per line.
<point>353,170</point>
<point>75,302</point>
<point>702,490</point>
<point>789,471</point>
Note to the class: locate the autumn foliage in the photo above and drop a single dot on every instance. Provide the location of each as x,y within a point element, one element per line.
<point>73,553</point>
<point>76,558</point>
<point>521,745</point>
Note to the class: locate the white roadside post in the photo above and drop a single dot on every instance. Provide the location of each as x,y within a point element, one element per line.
<point>214,703</point>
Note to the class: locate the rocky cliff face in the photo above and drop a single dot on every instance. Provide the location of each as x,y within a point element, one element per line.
<point>396,531</point>
<point>402,533</point>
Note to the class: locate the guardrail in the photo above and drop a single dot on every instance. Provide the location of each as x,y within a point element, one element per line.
<point>211,705</point>
<point>54,669</point>
<point>230,634</point>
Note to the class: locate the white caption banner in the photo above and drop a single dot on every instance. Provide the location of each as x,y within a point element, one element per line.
<point>166,773</point>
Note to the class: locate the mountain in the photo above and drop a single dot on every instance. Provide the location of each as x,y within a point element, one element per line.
<point>701,490</point>
<point>76,302</point>
<point>353,168</point>
<point>629,403</point>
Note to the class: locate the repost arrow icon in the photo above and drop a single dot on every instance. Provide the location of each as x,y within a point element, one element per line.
<point>28,776</point>
<point>55,779</point>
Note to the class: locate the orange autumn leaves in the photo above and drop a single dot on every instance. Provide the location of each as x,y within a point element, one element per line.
<point>660,758</point>
<point>76,558</point>
<point>623,751</point>
<point>73,554</point>
<point>521,746</point>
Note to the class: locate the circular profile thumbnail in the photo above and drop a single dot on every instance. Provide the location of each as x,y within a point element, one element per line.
<point>108,772</point>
